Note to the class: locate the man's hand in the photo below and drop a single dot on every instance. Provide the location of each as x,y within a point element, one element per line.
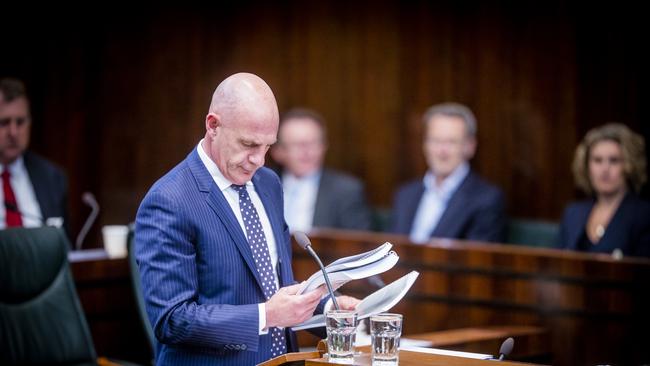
<point>347,302</point>
<point>285,308</point>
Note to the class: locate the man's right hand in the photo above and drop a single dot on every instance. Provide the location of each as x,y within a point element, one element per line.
<point>285,308</point>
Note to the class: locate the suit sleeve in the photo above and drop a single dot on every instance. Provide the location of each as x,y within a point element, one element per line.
<point>489,223</point>
<point>167,260</point>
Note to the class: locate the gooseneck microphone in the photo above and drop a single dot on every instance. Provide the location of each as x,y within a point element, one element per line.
<point>89,199</point>
<point>304,242</point>
<point>506,348</point>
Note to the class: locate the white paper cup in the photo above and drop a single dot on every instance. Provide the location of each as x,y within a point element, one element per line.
<point>115,240</point>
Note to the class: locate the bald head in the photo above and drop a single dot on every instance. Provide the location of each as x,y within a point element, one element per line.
<point>241,125</point>
<point>243,95</point>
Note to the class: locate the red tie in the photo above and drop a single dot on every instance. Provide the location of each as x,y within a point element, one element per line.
<point>11,207</point>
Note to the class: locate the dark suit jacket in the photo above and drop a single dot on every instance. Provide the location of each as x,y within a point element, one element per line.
<point>199,279</point>
<point>341,202</point>
<point>628,230</point>
<point>50,186</point>
<point>474,212</point>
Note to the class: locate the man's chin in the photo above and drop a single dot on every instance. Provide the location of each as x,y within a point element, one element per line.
<point>9,158</point>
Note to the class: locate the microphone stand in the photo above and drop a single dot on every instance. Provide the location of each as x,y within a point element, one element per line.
<point>304,242</point>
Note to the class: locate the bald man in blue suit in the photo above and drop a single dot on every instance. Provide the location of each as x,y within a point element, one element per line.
<point>210,296</point>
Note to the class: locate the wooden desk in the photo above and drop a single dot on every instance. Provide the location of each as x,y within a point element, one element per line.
<point>596,309</point>
<point>408,358</point>
<point>532,343</point>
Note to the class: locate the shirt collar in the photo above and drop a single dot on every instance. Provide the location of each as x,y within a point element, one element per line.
<point>288,178</point>
<point>450,184</point>
<point>222,182</point>
<point>17,167</point>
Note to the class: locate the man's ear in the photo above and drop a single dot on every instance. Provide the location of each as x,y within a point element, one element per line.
<point>212,121</point>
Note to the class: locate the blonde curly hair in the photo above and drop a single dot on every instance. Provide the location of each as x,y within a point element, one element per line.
<point>632,148</point>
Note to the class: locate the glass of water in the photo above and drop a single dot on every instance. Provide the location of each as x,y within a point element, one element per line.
<point>341,332</point>
<point>385,331</point>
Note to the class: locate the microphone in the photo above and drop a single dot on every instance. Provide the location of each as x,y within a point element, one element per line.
<point>11,207</point>
<point>304,242</point>
<point>506,348</point>
<point>89,199</point>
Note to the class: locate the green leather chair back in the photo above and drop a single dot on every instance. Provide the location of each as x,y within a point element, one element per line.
<point>137,293</point>
<point>41,319</point>
<point>532,233</point>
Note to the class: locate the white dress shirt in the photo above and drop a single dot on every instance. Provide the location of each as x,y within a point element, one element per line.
<point>232,197</point>
<point>434,203</point>
<point>300,196</point>
<point>26,200</point>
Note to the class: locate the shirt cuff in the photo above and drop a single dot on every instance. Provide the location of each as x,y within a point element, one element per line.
<point>262,330</point>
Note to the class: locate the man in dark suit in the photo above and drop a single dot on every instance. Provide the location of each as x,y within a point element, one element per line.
<point>315,196</point>
<point>34,191</point>
<point>451,201</point>
<point>213,248</point>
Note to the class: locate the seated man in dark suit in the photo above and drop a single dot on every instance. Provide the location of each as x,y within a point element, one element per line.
<point>451,201</point>
<point>34,191</point>
<point>315,196</point>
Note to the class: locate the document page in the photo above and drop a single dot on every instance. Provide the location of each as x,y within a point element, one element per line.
<point>354,267</point>
<point>378,302</point>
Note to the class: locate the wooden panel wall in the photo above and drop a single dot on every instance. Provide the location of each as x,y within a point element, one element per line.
<point>120,93</point>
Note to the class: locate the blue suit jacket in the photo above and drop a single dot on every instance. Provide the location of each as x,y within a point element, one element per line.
<point>199,279</point>
<point>474,212</point>
<point>628,230</point>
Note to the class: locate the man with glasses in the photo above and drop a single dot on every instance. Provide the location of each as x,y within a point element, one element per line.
<point>34,191</point>
<point>450,201</point>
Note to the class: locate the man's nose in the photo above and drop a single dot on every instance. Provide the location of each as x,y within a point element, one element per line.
<point>257,158</point>
<point>13,128</point>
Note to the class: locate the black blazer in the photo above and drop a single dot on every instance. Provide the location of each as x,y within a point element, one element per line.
<point>341,202</point>
<point>50,186</point>
<point>628,230</point>
<point>476,211</point>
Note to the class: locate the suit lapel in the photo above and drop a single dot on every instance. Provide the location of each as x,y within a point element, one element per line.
<point>220,206</point>
<point>322,196</point>
<point>618,229</point>
<point>36,177</point>
<point>454,214</point>
<point>277,222</point>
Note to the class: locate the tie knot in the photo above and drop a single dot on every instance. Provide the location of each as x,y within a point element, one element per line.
<point>5,173</point>
<point>239,188</point>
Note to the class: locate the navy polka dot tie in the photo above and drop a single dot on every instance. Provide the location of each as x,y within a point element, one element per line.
<point>257,241</point>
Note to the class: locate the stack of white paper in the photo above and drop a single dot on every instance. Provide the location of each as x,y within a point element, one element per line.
<point>353,267</point>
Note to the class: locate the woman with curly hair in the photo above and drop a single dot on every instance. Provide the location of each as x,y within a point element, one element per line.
<point>610,166</point>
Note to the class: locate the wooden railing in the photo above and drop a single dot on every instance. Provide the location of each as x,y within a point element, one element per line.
<point>595,308</point>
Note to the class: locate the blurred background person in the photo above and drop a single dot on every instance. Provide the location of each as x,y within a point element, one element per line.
<point>610,166</point>
<point>315,196</point>
<point>450,201</point>
<point>34,191</point>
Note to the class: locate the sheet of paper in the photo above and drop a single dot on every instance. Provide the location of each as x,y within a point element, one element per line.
<point>378,302</point>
